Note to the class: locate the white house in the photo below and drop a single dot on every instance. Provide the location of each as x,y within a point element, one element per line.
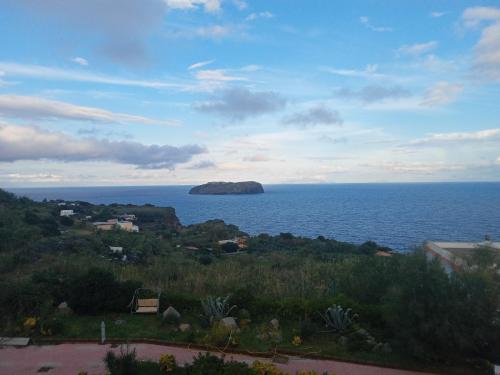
<point>67,213</point>
<point>116,249</point>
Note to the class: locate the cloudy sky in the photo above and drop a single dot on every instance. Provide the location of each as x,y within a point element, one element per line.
<point>146,92</point>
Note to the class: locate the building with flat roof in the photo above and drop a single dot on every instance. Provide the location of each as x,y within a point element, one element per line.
<point>454,255</point>
<point>67,213</point>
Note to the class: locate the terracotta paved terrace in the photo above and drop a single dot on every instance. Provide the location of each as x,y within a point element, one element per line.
<point>69,359</point>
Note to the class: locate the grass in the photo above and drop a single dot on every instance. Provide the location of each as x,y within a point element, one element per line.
<point>130,327</point>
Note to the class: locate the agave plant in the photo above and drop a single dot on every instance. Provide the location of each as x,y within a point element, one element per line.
<point>338,319</point>
<point>216,308</point>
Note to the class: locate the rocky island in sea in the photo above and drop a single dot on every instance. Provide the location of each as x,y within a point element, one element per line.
<point>223,188</point>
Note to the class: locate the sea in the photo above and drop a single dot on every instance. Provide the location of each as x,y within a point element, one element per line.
<point>400,216</point>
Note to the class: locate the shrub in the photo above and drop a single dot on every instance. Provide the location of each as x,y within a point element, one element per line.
<point>97,291</point>
<point>205,260</point>
<point>216,308</point>
<point>209,364</point>
<point>338,319</point>
<point>307,329</point>
<point>167,363</point>
<point>266,368</point>
<point>123,364</point>
<point>66,221</point>
<point>51,326</point>
<point>221,335</point>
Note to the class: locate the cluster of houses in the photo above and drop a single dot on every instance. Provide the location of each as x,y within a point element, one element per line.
<point>124,222</point>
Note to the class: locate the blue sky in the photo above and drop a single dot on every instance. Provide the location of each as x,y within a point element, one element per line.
<point>140,92</point>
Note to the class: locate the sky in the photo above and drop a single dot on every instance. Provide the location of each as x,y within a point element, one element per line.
<point>164,92</point>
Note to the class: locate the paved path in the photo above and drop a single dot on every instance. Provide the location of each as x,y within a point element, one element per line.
<point>70,359</point>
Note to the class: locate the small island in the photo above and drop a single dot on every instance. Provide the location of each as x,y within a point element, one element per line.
<point>224,188</point>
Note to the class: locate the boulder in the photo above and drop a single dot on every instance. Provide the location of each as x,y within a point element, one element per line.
<point>63,308</point>
<point>230,323</point>
<point>171,315</point>
<point>184,327</point>
<point>275,323</point>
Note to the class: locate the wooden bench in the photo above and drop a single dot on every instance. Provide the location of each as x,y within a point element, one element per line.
<point>147,306</point>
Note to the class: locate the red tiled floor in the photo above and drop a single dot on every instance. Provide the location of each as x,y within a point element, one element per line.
<point>70,359</point>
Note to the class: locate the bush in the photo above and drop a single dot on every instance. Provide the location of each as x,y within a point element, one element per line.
<point>307,329</point>
<point>123,364</point>
<point>220,335</point>
<point>205,260</point>
<point>167,363</point>
<point>66,221</point>
<point>97,291</point>
<point>209,364</point>
<point>51,326</point>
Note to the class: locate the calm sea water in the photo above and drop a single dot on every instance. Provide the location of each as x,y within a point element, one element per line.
<point>397,215</point>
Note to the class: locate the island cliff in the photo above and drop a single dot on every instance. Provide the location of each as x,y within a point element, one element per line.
<point>223,188</point>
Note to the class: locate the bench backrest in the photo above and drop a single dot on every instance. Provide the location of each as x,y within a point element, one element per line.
<point>149,302</point>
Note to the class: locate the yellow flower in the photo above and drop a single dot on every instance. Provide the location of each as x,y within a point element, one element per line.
<point>30,323</point>
<point>265,368</point>
<point>296,341</point>
<point>167,363</point>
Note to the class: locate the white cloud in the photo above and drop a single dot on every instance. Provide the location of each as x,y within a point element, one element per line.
<point>487,50</point>
<point>257,158</point>
<point>33,177</point>
<point>418,48</point>
<point>238,103</point>
<point>370,71</point>
<point>80,61</point>
<point>33,143</point>
<point>217,75</point>
<point>417,167</point>
<point>474,16</point>
<point>254,16</point>
<point>119,29</point>
<point>366,22</point>
<point>200,64</point>
<point>438,14</point>
<point>488,135</point>
<point>210,6</point>
<point>56,74</point>
<point>442,93</point>
<point>214,31</point>
<point>30,107</point>
<point>318,115</point>
<point>240,4</point>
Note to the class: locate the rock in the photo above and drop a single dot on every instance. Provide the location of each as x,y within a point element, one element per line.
<point>230,323</point>
<point>184,327</point>
<point>275,323</point>
<point>63,308</point>
<point>223,188</point>
<point>120,322</point>
<point>171,315</point>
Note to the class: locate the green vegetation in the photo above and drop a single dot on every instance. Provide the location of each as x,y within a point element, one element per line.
<point>204,364</point>
<point>287,293</point>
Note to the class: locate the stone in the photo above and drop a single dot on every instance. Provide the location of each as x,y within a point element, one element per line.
<point>275,323</point>
<point>230,323</point>
<point>343,340</point>
<point>184,327</point>
<point>120,322</point>
<point>171,314</point>
<point>63,308</point>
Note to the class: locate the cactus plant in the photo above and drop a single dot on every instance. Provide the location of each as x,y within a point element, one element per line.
<point>216,308</point>
<point>338,319</point>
